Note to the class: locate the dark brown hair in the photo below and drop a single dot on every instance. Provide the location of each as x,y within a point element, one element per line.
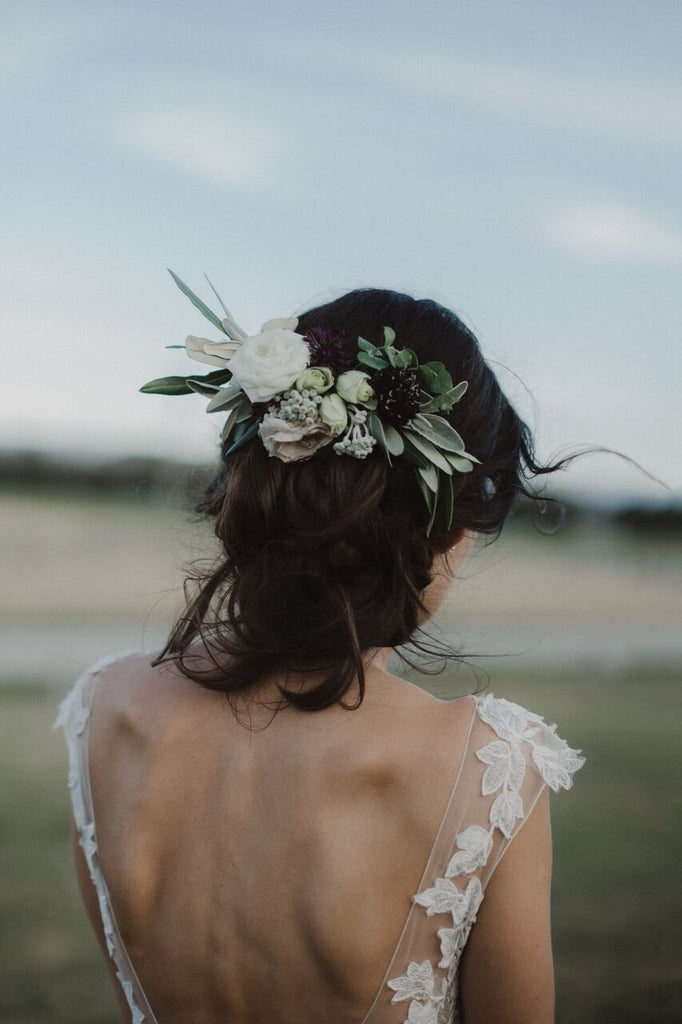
<point>325,559</point>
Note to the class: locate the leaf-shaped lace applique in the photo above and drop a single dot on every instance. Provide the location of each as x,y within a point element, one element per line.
<point>507,807</point>
<point>446,898</point>
<point>507,766</point>
<point>556,762</point>
<point>448,946</point>
<point>416,983</point>
<point>510,721</point>
<point>474,846</point>
<point>88,842</point>
<point>422,1013</point>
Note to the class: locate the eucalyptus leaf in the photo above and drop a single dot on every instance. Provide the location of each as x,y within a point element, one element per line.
<point>405,359</point>
<point>389,336</point>
<point>429,475</point>
<point>435,378</point>
<point>393,355</point>
<point>367,346</point>
<point>166,386</point>
<point>429,450</point>
<point>438,431</point>
<point>394,441</point>
<point>196,301</point>
<point>369,359</point>
<point>376,429</point>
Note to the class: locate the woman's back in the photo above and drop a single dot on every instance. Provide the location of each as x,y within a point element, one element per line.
<point>291,845</point>
<point>270,862</point>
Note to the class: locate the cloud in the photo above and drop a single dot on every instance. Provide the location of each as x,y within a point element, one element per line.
<point>615,231</point>
<point>624,108</point>
<point>223,148</point>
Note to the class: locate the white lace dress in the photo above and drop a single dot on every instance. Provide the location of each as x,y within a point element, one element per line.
<point>509,758</point>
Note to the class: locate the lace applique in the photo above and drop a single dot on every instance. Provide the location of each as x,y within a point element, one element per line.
<point>73,717</point>
<point>434,1000</point>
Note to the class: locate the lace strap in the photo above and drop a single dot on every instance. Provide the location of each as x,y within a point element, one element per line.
<point>512,756</point>
<point>74,717</point>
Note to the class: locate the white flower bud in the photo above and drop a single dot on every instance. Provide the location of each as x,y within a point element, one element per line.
<point>353,386</point>
<point>333,412</point>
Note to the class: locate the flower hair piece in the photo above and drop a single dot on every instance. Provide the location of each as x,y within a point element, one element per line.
<point>303,392</point>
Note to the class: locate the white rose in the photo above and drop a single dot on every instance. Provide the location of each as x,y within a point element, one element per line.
<point>291,442</point>
<point>353,386</point>
<point>334,413</point>
<point>269,363</point>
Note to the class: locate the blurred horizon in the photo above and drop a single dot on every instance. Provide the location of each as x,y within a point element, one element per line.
<point>519,164</point>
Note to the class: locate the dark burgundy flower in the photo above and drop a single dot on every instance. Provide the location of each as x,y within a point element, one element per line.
<point>398,395</point>
<point>330,347</point>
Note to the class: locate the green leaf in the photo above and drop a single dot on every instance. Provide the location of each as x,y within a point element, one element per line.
<point>449,498</point>
<point>228,425</point>
<point>389,336</point>
<point>405,359</point>
<point>202,388</point>
<point>367,346</point>
<point>429,475</point>
<point>396,445</point>
<point>435,378</point>
<point>244,432</point>
<point>376,429</point>
<point>460,463</point>
<point>392,354</point>
<point>446,401</point>
<point>224,399</point>
<point>429,450</point>
<point>166,386</point>
<point>196,301</point>
<point>369,359</point>
<point>427,494</point>
<point>438,431</point>
<point>244,411</point>
<point>222,304</point>
<point>413,455</point>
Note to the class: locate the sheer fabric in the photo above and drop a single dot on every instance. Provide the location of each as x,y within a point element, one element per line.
<point>508,759</point>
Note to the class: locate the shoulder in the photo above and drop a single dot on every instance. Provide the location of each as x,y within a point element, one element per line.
<point>517,733</point>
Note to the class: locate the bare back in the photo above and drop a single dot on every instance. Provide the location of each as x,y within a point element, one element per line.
<point>291,845</point>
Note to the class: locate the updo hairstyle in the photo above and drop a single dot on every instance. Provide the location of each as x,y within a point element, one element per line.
<point>326,559</point>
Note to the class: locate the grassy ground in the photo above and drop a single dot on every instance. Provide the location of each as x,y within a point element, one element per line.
<point>617,900</point>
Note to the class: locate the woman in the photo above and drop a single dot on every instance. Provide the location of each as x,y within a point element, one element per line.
<point>317,847</point>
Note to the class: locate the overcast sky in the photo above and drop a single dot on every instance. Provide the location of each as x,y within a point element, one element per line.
<point>521,163</point>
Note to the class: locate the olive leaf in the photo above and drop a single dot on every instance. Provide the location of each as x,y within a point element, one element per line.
<point>389,336</point>
<point>196,301</point>
<point>166,386</point>
<point>429,475</point>
<point>244,432</point>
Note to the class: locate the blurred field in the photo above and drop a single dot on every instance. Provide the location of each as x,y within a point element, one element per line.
<point>592,620</point>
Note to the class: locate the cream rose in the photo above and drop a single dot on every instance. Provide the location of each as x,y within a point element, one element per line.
<point>334,413</point>
<point>354,386</point>
<point>317,379</point>
<point>291,442</point>
<point>269,363</point>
